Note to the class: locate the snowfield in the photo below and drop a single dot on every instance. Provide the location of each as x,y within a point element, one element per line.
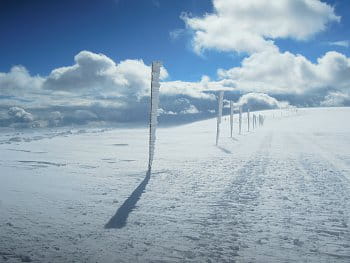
<point>280,193</point>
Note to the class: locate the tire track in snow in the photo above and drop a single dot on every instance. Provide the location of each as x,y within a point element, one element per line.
<point>329,210</point>
<point>287,222</point>
<point>231,217</point>
<point>275,211</point>
<point>334,159</point>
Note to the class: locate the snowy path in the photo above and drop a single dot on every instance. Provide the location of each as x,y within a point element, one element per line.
<point>278,194</point>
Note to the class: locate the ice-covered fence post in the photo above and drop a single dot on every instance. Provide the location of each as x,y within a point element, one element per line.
<point>156,65</point>
<point>231,117</point>
<point>220,102</point>
<point>248,116</point>
<point>259,120</point>
<point>240,120</point>
<point>256,121</point>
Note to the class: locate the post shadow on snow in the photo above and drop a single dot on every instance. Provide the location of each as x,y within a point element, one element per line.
<point>224,150</point>
<point>122,214</point>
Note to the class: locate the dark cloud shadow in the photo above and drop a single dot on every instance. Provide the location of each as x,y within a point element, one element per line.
<point>122,214</point>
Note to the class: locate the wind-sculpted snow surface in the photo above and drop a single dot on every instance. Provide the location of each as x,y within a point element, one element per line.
<point>280,193</point>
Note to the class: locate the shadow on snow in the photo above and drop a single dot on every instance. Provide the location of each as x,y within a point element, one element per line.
<point>224,150</point>
<point>122,214</point>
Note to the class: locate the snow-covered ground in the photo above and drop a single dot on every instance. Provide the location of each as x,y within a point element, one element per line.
<point>280,193</point>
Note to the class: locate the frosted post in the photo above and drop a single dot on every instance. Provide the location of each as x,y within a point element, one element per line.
<point>248,116</point>
<point>255,121</point>
<point>240,120</point>
<point>231,117</point>
<point>156,65</point>
<point>220,101</point>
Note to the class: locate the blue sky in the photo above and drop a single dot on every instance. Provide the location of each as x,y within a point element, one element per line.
<point>43,35</point>
<point>88,60</point>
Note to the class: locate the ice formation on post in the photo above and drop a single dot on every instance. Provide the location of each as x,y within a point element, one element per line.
<point>231,117</point>
<point>156,65</point>
<point>220,101</point>
<point>261,120</point>
<point>248,116</point>
<point>240,120</point>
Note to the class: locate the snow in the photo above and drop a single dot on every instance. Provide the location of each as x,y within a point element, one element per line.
<point>279,193</point>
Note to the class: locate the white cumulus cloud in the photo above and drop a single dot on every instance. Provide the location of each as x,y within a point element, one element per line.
<point>260,101</point>
<point>97,74</point>
<point>252,25</point>
<point>275,72</point>
<point>18,81</point>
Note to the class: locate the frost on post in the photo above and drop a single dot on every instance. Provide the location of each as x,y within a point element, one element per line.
<point>220,101</point>
<point>153,110</point>
<point>231,117</point>
<point>240,120</point>
<point>248,116</point>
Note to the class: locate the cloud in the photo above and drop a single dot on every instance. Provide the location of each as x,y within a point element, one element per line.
<point>203,89</point>
<point>55,118</point>
<point>191,89</point>
<point>343,43</point>
<point>96,74</point>
<point>164,112</point>
<point>20,115</point>
<point>18,81</point>
<point>190,110</point>
<point>177,33</point>
<point>95,89</point>
<point>286,73</point>
<point>252,25</point>
<point>256,101</point>
<point>17,117</point>
<point>334,99</point>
